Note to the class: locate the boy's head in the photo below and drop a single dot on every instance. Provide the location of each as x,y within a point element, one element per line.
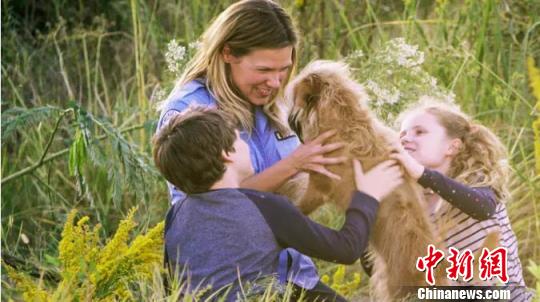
<point>195,148</point>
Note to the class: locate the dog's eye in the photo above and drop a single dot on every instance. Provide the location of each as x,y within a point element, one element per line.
<point>295,125</point>
<point>311,98</point>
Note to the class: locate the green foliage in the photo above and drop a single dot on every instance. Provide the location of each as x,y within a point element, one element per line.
<point>17,118</point>
<point>534,269</point>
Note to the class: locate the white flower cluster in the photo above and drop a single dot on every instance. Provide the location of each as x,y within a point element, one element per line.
<point>174,56</point>
<point>383,96</point>
<point>432,81</point>
<point>406,55</point>
<point>194,45</point>
<point>449,97</point>
<point>158,95</point>
<point>357,54</point>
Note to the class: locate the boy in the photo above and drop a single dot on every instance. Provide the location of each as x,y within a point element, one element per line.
<point>221,235</point>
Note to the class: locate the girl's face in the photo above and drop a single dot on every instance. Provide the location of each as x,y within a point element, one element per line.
<point>260,74</point>
<point>426,141</point>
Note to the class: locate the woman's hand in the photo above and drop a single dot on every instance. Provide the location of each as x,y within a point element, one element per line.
<point>411,165</point>
<point>380,181</point>
<point>310,156</point>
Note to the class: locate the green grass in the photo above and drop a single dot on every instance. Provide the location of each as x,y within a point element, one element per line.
<point>97,64</point>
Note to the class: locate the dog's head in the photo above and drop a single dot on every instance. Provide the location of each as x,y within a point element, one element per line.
<point>323,89</point>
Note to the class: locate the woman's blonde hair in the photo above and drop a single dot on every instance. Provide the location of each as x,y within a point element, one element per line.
<point>482,159</point>
<point>244,26</point>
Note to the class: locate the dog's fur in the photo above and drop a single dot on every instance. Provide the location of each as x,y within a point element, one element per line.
<point>324,97</point>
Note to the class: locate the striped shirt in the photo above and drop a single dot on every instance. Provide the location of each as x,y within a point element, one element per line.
<point>466,219</point>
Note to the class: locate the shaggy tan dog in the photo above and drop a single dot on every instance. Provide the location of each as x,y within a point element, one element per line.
<point>325,97</point>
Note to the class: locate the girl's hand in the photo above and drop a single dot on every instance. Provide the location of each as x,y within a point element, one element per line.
<point>411,165</point>
<point>380,181</point>
<point>310,156</point>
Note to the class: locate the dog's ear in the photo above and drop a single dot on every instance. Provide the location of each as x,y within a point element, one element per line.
<point>308,92</point>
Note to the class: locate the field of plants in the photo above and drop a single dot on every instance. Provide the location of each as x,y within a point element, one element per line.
<point>82,203</point>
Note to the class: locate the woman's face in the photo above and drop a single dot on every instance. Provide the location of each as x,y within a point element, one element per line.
<point>260,74</point>
<point>426,141</point>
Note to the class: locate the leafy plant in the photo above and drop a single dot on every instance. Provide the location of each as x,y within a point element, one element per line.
<point>92,272</point>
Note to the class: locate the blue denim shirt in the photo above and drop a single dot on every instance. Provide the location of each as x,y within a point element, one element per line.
<point>266,148</point>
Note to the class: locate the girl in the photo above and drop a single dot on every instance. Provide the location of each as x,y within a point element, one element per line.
<point>464,169</point>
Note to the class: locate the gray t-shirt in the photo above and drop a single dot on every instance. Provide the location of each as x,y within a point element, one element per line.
<point>221,235</point>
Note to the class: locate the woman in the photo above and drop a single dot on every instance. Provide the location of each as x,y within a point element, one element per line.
<point>245,59</point>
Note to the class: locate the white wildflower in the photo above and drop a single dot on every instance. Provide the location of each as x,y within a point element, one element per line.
<point>357,54</point>
<point>406,55</point>
<point>450,97</point>
<point>158,95</point>
<point>194,45</point>
<point>416,71</point>
<point>433,82</point>
<point>383,96</point>
<point>174,56</point>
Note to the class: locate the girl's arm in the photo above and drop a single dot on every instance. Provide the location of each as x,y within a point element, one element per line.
<point>480,203</point>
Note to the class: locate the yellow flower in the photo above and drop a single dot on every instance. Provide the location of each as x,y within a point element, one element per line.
<point>120,264</point>
<point>340,282</point>
<point>299,3</point>
<point>31,292</point>
<point>339,275</point>
<point>74,246</point>
<point>118,244</point>
<point>92,273</point>
<point>325,279</point>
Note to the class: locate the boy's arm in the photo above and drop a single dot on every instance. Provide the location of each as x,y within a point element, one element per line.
<point>479,203</point>
<point>293,229</point>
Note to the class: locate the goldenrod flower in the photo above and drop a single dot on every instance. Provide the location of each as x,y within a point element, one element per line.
<point>31,292</point>
<point>91,272</point>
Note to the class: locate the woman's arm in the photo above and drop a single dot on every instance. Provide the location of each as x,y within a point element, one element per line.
<point>272,178</point>
<point>307,157</point>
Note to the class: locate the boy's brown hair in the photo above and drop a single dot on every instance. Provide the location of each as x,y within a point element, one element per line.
<point>188,150</point>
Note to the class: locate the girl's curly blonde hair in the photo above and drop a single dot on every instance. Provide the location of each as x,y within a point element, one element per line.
<point>482,159</point>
